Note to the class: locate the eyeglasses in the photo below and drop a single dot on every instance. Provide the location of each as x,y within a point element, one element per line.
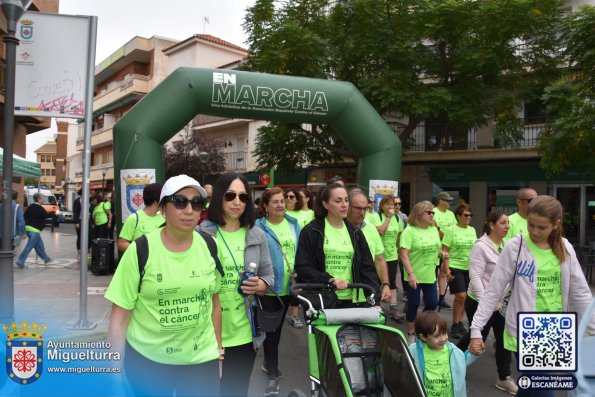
<point>359,209</point>
<point>430,213</point>
<point>292,197</point>
<point>231,196</point>
<point>468,215</point>
<point>181,202</point>
<point>397,203</point>
<point>527,200</point>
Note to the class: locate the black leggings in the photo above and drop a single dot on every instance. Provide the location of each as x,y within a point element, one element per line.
<point>271,343</point>
<point>392,273</point>
<point>237,369</point>
<point>148,378</point>
<point>496,322</point>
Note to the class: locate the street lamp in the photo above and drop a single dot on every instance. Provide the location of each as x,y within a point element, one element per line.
<point>13,10</point>
<point>203,156</point>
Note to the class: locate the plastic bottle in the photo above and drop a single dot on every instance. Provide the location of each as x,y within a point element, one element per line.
<point>251,272</point>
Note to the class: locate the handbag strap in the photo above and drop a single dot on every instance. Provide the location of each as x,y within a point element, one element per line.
<point>517,262</point>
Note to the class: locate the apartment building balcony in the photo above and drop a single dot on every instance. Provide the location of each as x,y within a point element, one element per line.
<point>121,91</point>
<point>96,173</point>
<point>99,137</point>
<point>236,161</point>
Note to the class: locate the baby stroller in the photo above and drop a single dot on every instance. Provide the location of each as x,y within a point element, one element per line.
<point>352,353</point>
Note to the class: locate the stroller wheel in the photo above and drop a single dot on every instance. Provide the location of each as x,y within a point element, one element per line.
<point>296,393</point>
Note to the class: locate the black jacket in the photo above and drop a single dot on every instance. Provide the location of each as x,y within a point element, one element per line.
<point>310,263</point>
<point>76,210</point>
<point>35,216</point>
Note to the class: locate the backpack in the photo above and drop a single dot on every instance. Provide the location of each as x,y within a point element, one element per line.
<point>142,253</point>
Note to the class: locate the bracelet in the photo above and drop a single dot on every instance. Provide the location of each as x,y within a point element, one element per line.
<point>222,352</point>
<point>410,273</point>
<point>386,285</point>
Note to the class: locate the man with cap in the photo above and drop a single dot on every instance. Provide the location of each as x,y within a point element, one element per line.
<point>444,218</point>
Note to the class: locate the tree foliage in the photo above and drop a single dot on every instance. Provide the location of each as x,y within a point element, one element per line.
<point>571,139</point>
<point>461,61</point>
<point>183,157</point>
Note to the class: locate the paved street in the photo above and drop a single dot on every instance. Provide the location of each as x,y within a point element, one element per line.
<point>50,295</point>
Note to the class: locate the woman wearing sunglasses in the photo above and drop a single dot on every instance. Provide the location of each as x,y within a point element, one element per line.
<point>231,220</point>
<point>294,204</point>
<point>282,232</point>
<point>171,341</point>
<point>331,250</point>
<point>458,241</point>
<point>420,250</point>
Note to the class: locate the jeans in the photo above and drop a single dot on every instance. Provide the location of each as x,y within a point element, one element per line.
<point>34,241</point>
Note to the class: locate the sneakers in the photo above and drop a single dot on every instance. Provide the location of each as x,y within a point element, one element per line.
<point>272,387</point>
<point>266,371</point>
<point>49,262</point>
<point>508,385</point>
<point>443,305</point>
<point>393,313</point>
<point>295,322</point>
<point>411,338</point>
<point>457,330</point>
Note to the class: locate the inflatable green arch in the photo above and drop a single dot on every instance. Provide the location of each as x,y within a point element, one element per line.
<point>140,134</point>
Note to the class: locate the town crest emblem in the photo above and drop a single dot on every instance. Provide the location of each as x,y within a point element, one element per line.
<point>24,352</point>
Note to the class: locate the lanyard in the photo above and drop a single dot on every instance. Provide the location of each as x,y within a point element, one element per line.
<point>230,253</point>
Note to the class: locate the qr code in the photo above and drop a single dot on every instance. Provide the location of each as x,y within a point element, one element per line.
<point>547,342</point>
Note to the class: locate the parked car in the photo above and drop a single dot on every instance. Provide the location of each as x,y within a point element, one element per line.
<point>66,215</point>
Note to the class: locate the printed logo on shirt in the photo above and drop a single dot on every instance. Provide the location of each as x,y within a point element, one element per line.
<point>526,269</point>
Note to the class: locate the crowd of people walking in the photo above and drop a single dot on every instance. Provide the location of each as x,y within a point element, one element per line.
<point>204,324</point>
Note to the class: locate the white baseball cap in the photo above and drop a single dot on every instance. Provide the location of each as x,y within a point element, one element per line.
<point>179,182</point>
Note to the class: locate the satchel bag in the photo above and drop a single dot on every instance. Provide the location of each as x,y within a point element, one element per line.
<point>503,305</point>
<point>271,318</point>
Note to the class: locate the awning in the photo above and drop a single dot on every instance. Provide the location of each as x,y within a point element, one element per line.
<point>21,166</point>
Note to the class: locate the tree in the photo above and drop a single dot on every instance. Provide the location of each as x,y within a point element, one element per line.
<point>455,60</point>
<point>183,156</point>
<point>571,138</point>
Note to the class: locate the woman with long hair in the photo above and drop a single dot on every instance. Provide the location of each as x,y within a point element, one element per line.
<point>307,214</point>
<point>171,342</point>
<point>483,260</point>
<point>282,233</point>
<point>231,220</point>
<point>420,250</point>
<point>458,241</point>
<point>331,250</point>
<point>389,227</point>
<point>544,274</point>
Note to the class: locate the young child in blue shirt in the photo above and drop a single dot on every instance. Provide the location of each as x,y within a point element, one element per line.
<point>441,364</point>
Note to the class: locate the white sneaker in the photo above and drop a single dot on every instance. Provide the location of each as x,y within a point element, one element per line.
<point>295,322</point>
<point>508,385</point>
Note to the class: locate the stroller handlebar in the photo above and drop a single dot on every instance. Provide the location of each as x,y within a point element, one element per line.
<point>317,286</point>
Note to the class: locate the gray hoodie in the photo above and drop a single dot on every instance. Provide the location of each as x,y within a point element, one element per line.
<point>524,290</point>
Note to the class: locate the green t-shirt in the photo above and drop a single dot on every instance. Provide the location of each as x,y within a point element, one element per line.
<point>389,238</point>
<point>140,223</point>
<point>438,378</point>
<point>307,217</point>
<point>518,225</point>
<point>287,240</point>
<point>373,239</point>
<point>423,246</point>
<point>100,213</point>
<point>171,317</point>
<point>459,241</point>
<point>445,219</point>
<point>369,218</point>
<point>338,253</point>
<point>236,325</point>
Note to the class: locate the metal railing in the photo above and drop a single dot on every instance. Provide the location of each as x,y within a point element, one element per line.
<point>235,161</point>
<point>442,137</point>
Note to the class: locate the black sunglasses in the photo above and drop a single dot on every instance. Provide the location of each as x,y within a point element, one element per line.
<point>527,200</point>
<point>230,196</point>
<point>181,202</point>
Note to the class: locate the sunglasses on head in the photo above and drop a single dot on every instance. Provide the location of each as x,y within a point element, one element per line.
<point>181,202</point>
<point>231,196</point>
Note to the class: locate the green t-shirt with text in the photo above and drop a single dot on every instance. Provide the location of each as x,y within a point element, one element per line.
<point>423,246</point>
<point>438,378</point>
<point>338,254</point>
<point>171,317</point>
<point>236,328</point>
<point>287,240</point>
<point>389,238</point>
<point>139,224</point>
<point>459,241</point>
<point>100,213</point>
<point>373,239</point>
<point>445,219</point>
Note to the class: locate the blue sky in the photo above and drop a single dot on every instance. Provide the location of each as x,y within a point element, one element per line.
<point>119,21</point>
